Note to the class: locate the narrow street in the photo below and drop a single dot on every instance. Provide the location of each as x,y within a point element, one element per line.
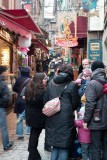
<point>19,150</point>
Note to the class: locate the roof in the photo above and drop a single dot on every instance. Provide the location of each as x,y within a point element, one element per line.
<point>20,19</point>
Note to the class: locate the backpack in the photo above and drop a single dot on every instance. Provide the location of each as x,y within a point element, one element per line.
<point>52,65</point>
<point>53,106</point>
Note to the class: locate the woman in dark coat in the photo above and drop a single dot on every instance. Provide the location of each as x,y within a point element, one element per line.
<point>59,126</point>
<point>35,119</point>
<point>20,104</point>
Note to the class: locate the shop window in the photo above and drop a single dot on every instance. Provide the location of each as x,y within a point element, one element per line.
<point>5,57</point>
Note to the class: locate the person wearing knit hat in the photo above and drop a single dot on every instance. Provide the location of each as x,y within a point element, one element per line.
<point>97,64</point>
<point>85,79</point>
<point>87,74</point>
<point>95,117</point>
<point>81,112</point>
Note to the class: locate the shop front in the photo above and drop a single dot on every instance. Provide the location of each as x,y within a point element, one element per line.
<point>14,24</point>
<point>6,47</point>
<point>79,52</point>
<point>6,56</point>
<point>72,38</point>
<point>21,23</point>
<point>37,54</point>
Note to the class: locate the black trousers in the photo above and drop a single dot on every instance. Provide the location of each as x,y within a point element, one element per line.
<point>33,144</point>
<point>99,144</point>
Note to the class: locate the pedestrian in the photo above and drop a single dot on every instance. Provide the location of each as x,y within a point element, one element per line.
<point>58,129</point>
<point>84,80</point>
<point>57,67</point>
<point>4,102</point>
<point>34,117</point>
<point>55,73</point>
<point>85,64</point>
<point>20,104</point>
<point>93,111</point>
<point>84,135</point>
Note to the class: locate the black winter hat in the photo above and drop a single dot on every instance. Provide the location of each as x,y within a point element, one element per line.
<point>25,70</point>
<point>97,64</point>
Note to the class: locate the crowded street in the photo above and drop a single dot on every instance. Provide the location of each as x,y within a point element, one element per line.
<point>19,149</point>
<point>53,79</point>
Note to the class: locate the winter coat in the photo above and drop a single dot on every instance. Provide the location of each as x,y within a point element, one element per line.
<point>4,94</point>
<point>59,126</point>
<point>82,87</point>
<point>18,86</point>
<point>33,111</point>
<point>93,92</point>
<point>84,135</point>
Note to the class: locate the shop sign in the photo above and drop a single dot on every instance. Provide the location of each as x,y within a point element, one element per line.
<point>65,43</point>
<point>64,37</point>
<point>6,35</point>
<point>95,49</point>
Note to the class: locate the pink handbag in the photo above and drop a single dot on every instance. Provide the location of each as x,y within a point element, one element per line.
<point>53,106</point>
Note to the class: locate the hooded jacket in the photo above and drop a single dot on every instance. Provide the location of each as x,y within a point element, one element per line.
<point>94,92</point>
<point>59,126</point>
<point>18,86</point>
<point>84,135</point>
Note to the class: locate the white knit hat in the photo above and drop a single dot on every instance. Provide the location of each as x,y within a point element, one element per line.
<point>81,112</point>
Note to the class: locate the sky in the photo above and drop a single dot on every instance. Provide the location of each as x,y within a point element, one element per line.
<point>48,8</point>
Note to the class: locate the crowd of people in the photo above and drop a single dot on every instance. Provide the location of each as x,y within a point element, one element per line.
<point>82,116</point>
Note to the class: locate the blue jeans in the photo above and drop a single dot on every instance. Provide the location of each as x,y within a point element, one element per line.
<point>3,126</point>
<point>20,129</point>
<point>59,154</point>
<point>22,115</point>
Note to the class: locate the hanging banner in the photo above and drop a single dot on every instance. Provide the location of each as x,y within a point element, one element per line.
<point>96,17</point>
<point>65,37</point>
<point>89,4</point>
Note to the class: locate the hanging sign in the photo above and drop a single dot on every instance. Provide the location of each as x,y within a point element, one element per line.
<point>66,43</point>
<point>65,37</point>
<point>95,49</point>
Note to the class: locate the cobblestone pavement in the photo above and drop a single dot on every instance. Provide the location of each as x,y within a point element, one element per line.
<point>19,150</point>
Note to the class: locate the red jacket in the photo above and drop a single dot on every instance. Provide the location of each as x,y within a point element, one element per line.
<point>84,135</point>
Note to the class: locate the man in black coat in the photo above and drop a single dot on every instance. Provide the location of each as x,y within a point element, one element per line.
<point>94,110</point>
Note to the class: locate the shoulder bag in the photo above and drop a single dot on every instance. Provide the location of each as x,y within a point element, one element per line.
<point>53,106</point>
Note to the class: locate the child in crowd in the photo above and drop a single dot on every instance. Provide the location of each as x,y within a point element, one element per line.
<point>85,79</point>
<point>84,135</point>
<point>82,83</point>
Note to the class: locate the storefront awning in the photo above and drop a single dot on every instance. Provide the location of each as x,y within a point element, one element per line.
<point>19,21</point>
<point>39,44</point>
<point>82,23</point>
